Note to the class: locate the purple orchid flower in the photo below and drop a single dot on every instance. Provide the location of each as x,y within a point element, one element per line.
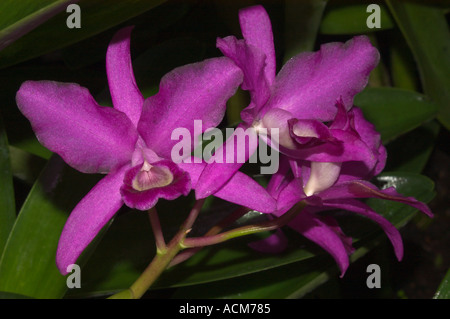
<point>330,186</point>
<point>299,99</point>
<point>131,142</point>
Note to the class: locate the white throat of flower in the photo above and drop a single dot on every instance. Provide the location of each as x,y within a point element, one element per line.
<point>152,177</point>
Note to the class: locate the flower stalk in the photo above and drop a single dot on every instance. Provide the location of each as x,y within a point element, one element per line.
<point>245,230</point>
<point>157,231</point>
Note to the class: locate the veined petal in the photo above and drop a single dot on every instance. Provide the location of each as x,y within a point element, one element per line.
<point>88,218</point>
<point>257,31</point>
<point>309,84</point>
<point>68,121</point>
<point>240,189</point>
<point>125,94</point>
<point>196,91</point>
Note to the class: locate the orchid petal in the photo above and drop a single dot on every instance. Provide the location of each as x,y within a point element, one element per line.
<point>257,31</point>
<point>372,139</point>
<point>240,189</point>
<point>125,94</point>
<point>291,194</point>
<point>67,120</point>
<point>358,207</point>
<point>88,218</point>
<point>252,62</point>
<point>279,178</point>
<point>309,84</point>
<point>196,91</point>
<point>320,233</point>
<point>227,160</point>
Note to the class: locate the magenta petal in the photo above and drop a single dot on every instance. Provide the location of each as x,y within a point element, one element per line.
<point>252,62</point>
<point>364,210</point>
<point>279,179</point>
<point>227,161</point>
<point>88,218</point>
<point>125,94</point>
<point>309,84</point>
<point>320,233</point>
<point>67,120</point>
<point>240,189</point>
<point>257,31</point>
<point>143,196</point>
<point>372,139</point>
<point>291,194</point>
<point>196,91</point>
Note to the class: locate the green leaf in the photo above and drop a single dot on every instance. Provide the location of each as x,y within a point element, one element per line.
<point>96,16</point>
<point>403,67</point>
<point>352,19</point>
<point>9,295</point>
<point>27,266</point>
<point>25,166</point>
<point>302,24</point>
<point>395,111</point>
<point>7,201</point>
<point>19,18</point>
<point>443,291</point>
<point>411,152</point>
<point>417,23</point>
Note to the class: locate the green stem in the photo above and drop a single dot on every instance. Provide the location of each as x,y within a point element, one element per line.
<point>245,230</point>
<point>185,255</point>
<point>156,267</point>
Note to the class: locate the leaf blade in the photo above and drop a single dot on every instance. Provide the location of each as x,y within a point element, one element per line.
<point>417,22</point>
